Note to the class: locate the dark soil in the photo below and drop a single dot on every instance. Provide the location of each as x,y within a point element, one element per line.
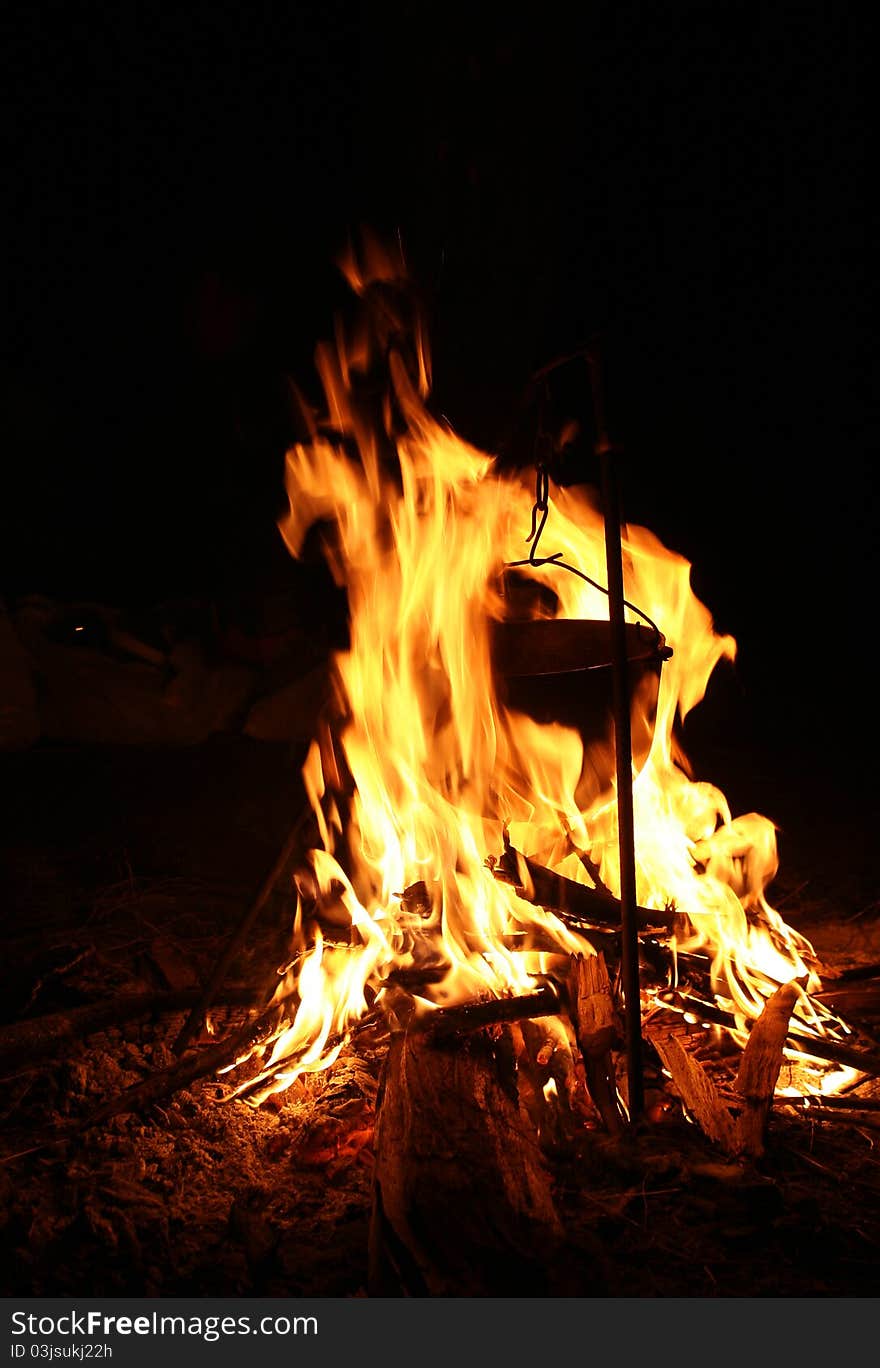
<point>124,871</point>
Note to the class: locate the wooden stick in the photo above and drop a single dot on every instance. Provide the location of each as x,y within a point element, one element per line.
<point>37,1037</point>
<point>591,906</point>
<point>195,1020</point>
<point>445,1022</point>
<point>588,863</point>
<point>597,1030</point>
<point>759,1067</point>
<point>853,997</point>
<point>817,1047</point>
<point>833,1103</point>
<point>165,1082</point>
<point>698,1092</point>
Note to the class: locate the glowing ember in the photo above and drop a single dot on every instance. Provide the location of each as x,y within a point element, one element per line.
<point>423,773</point>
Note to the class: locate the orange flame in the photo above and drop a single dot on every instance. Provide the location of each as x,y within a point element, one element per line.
<point>422,771</point>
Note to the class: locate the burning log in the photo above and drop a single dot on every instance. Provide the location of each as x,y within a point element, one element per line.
<point>597,1031</point>
<point>588,1001</point>
<point>446,1023</point>
<point>582,907</point>
<point>462,1204</point>
<point>535,1015</point>
<point>736,1121</point>
<point>574,902</point>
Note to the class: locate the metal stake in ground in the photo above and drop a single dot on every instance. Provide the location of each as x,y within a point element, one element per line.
<point>609,461</point>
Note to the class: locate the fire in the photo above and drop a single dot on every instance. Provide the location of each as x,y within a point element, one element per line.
<point>424,773</point>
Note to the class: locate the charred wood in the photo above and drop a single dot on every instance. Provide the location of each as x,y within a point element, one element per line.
<point>588,906</point>
<point>581,906</point>
<point>597,1030</point>
<point>842,1105</point>
<point>859,998</point>
<point>445,1023</point>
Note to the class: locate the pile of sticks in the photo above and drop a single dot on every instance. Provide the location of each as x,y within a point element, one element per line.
<point>471,1093</point>
<point>579,991</point>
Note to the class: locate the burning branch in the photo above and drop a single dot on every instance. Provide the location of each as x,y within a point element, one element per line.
<point>579,905</point>
<point>446,1023</point>
<point>737,1122</point>
<point>576,903</point>
<point>597,1029</point>
<point>825,1048</point>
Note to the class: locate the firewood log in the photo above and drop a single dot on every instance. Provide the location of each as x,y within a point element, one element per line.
<point>462,1203</point>
<point>760,1064</point>
<point>598,1031</point>
<point>736,1121</point>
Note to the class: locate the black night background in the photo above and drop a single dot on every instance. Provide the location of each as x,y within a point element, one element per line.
<point>691,182</point>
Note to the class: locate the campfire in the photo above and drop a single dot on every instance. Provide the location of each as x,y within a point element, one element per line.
<point>459,877</point>
<point>463,783</point>
<point>508,872</point>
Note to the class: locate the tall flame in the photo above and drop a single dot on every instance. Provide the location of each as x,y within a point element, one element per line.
<point>422,771</point>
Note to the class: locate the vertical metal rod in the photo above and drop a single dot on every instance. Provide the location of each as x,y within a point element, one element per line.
<point>609,460</point>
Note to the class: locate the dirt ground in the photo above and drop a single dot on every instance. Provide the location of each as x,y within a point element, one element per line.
<point>125,868</point>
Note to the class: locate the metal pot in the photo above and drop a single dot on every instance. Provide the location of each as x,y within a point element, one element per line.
<point>559,670</point>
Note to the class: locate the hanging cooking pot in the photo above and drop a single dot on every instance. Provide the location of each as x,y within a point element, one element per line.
<point>559,670</point>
